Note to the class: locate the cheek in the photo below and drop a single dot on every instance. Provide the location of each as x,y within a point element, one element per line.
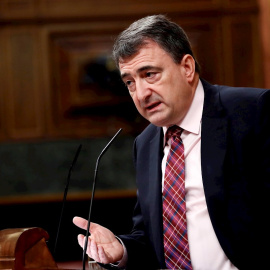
<point>135,100</point>
<point>137,104</point>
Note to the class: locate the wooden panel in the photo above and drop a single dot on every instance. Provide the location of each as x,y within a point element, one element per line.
<point>87,91</point>
<point>264,21</point>
<point>239,3</point>
<point>202,34</point>
<point>48,48</point>
<point>242,49</point>
<point>123,7</point>
<point>242,55</point>
<point>75,58</point>
<point>2,85</point>
<point>24,88</point>
<point>18,8</point>
<point>49,9</point>
<point>22,9</point>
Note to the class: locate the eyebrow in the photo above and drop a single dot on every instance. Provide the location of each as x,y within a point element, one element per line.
<point>141,69</point>
<point>124,75</point>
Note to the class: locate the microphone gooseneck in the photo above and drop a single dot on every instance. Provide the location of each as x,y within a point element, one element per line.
<point>65,193</point>
<point>93,193</point>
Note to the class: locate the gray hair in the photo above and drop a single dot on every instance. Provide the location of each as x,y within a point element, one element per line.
<point>168,35</point>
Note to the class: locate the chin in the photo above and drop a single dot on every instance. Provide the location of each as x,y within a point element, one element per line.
<point>157,123</point>
<point>159,119</point>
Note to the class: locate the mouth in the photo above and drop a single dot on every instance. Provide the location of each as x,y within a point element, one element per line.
<point>152,106</point>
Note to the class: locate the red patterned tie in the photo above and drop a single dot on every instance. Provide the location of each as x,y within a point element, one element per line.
<point>174,206</point>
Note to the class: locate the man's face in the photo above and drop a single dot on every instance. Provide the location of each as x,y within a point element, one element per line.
<point>160,88</point>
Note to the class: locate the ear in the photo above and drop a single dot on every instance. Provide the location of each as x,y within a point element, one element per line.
<point>188,63</point>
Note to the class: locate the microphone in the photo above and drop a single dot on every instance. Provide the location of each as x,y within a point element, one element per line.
<point>93,193</point>
<point>65,192</point>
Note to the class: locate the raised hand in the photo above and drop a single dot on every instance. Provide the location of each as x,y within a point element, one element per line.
<point>102,246</point>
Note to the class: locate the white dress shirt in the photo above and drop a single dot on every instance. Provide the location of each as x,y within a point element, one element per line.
<point>205,250</point>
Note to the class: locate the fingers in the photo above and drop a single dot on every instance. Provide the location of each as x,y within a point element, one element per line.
<point>94,251</point>
<point>83,223</point>
<point>80,222</point>
<point>81,241</point>
<point>103,256</point>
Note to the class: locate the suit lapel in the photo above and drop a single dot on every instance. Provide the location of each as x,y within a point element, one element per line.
<point>155,157</point>
<point>213,151</point>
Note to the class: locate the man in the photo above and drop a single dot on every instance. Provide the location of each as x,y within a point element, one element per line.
<point>226,149</point>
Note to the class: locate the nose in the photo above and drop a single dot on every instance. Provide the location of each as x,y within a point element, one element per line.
<point>143,91</point>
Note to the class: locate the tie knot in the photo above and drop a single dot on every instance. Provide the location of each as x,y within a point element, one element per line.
<point>173,132</point>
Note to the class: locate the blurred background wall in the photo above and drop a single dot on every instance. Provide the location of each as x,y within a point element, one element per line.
<point>59,88</point>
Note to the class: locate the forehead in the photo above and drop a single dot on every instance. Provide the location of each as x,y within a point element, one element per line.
<point>148,54</point>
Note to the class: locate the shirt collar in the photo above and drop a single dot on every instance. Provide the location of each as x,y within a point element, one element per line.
<point>192,120</point>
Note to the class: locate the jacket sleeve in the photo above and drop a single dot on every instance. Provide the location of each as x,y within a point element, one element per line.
<point>140,253</point>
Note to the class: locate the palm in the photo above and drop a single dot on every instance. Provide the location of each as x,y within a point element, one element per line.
<point>103,246</point>
<point>105,238</point>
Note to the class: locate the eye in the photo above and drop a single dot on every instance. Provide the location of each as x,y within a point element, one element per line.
<point>130,85</point>
<point>150,74</point>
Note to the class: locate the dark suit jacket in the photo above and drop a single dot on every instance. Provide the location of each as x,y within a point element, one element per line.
<point>235,159</point>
